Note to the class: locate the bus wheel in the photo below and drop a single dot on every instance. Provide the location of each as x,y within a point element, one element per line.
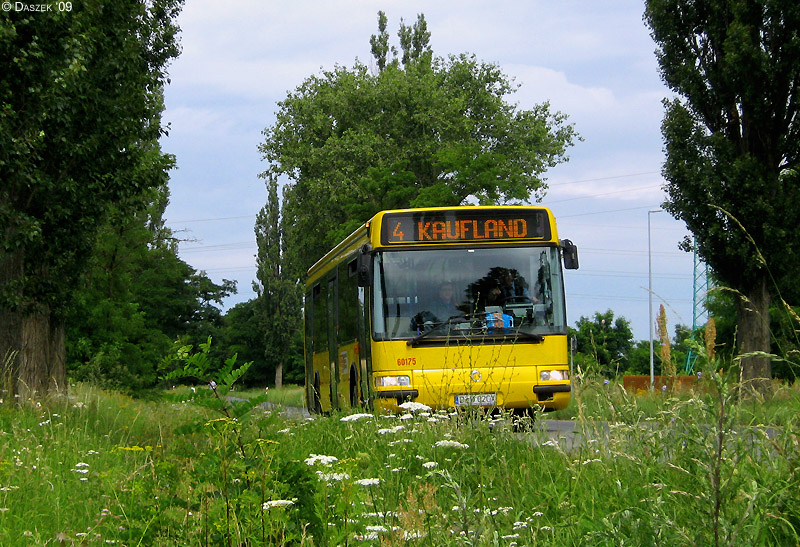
<point>355,400</point>
<point>317,402</point>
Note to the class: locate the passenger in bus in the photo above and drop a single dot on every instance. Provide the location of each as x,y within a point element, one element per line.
<point>510,287</point>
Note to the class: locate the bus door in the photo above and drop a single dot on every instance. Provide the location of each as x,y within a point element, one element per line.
<point>333,341</point>
<point>365,351</point>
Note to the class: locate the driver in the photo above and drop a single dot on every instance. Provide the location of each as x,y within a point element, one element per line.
<point>444,305</point>
<point>441,308</point>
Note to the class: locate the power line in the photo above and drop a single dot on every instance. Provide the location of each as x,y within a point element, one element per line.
<point>604,194</point>
<point>605,273</point>
<point>608,211</point>
<point>221,247</point>
<point>630,252</point>
<point>173,222</point>
<point>626,298</point>
<point>603,178</point>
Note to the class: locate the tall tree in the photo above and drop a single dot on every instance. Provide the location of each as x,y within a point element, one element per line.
<point>732,142</point>
<point>80,107</point>
<point>421,131</point>
<point>279,295</point>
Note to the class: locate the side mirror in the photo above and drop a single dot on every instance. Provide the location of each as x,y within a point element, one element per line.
<point>364,266</point>
<point>569,253</point>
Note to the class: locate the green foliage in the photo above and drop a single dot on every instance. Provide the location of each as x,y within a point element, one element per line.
<point>605,342</point>
<point>80,123</point>
<point>134,298</point>
<point>732,144</point>
<point>243,334</point>
<point>423,131</point>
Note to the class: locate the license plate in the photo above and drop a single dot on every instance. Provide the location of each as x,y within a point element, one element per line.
<point>476,399</point>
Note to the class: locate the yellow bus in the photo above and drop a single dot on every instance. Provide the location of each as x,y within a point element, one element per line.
<point>447,307</point>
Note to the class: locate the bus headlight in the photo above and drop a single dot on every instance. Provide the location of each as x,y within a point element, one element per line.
<point>392,381</point>
<point>553,375</point>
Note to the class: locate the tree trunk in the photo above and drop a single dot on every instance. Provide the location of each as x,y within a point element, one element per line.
<point>32,347</point>
<point>754,336</point>
<point>279,375</point>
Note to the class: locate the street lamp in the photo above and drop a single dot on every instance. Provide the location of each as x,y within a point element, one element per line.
<point>650,294</point>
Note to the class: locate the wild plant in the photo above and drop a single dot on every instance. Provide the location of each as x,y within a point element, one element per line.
<point>243,483</point>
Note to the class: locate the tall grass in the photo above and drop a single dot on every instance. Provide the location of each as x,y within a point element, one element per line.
<point>695,469</point>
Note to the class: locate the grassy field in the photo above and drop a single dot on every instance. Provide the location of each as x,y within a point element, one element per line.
<point>98,468</point>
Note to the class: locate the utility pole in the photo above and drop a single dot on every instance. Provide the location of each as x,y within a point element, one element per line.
<point>700,287</point>
<point>650,295</point>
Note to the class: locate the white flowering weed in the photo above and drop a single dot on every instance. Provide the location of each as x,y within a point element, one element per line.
<point>314,459</point>
<point>355,417</point>
<point>451,444</point>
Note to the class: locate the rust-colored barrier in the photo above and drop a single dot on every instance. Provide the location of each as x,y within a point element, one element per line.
<point>642,383</point>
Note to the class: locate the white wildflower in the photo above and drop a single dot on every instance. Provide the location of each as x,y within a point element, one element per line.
<point>411,406</point>
<point>394,429</point>
<point>277,503</point>
<point>315,459</point>
<point>368,482</point>
<point>330,477</point>
<point>355,417</point>
<point>398,441</point>
<point>429,465</point>
<point>450,444</point>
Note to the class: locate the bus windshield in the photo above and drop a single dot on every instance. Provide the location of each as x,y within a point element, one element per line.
<point>466,292</point>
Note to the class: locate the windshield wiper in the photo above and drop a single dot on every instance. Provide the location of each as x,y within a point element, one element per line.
<point>450,320</point>
<point>533,337</point>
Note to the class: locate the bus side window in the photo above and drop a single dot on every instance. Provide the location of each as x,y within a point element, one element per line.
<point>348,304</point>
<point>320,318</point>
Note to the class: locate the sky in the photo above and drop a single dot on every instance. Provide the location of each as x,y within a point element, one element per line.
<point>593,61</point>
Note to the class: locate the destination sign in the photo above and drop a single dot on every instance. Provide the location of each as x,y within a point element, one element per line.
<point>464,225</point>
